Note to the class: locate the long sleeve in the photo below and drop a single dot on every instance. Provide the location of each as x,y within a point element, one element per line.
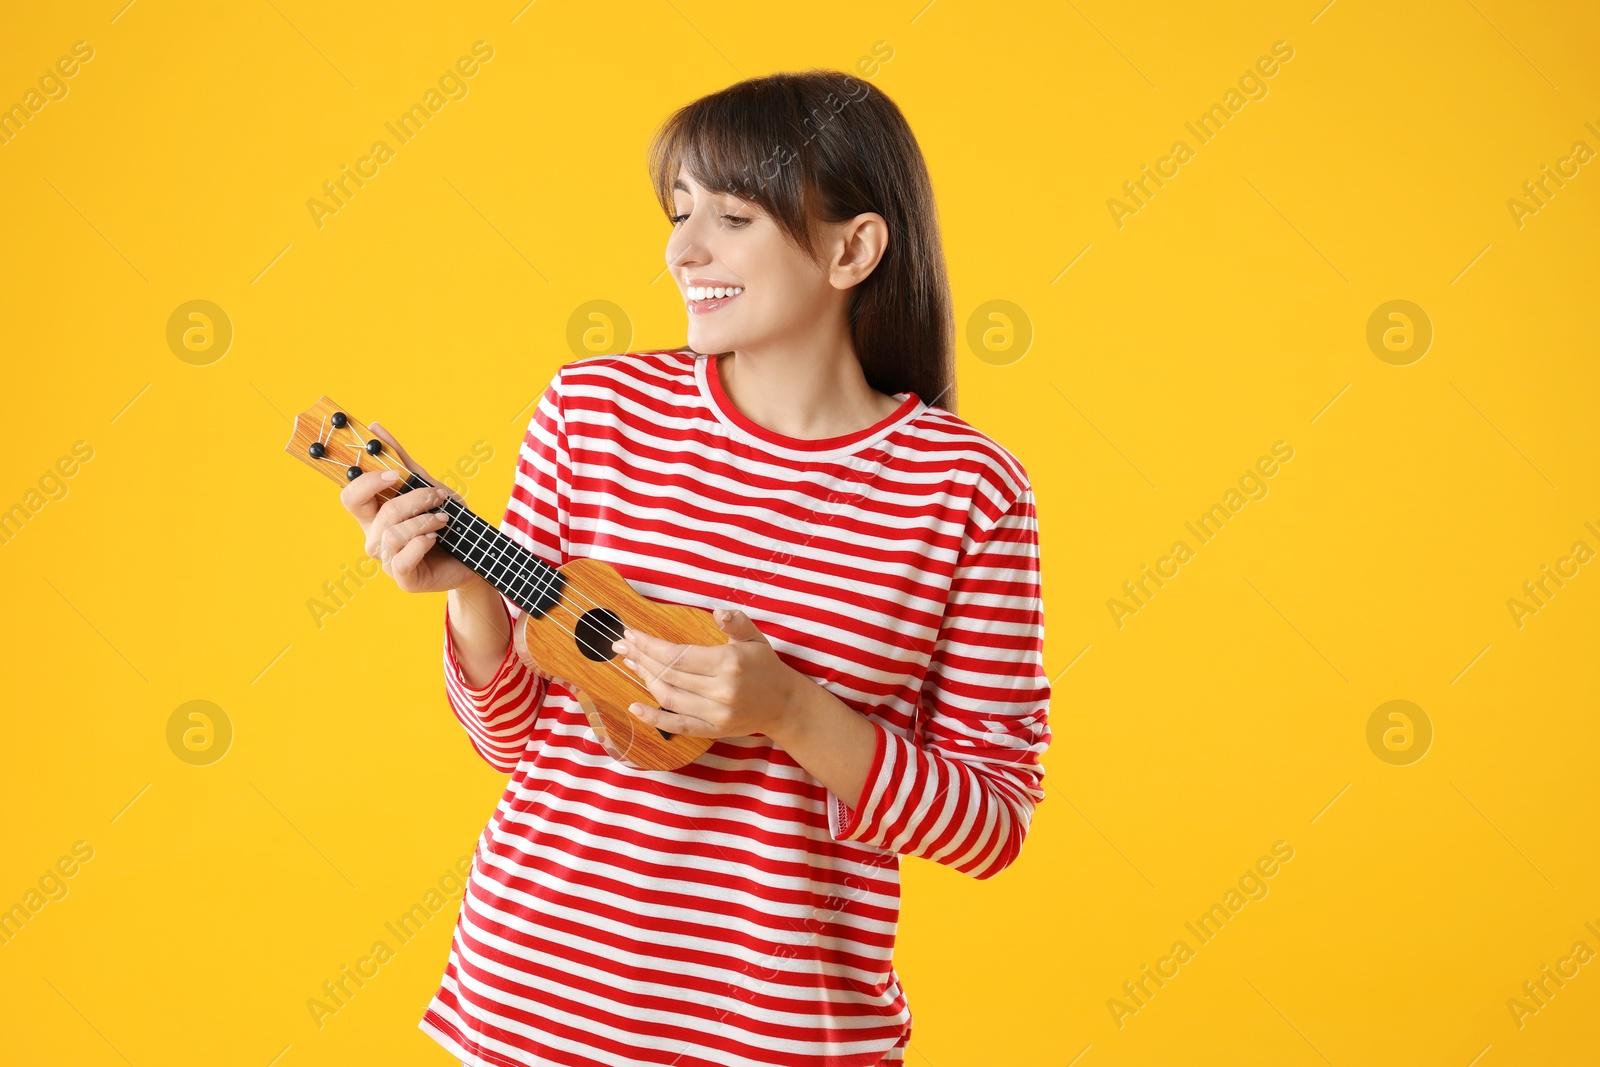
<point>964,794</point>
<point>499,716</point>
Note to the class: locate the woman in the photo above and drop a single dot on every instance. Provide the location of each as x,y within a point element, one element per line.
<point>881,693</point>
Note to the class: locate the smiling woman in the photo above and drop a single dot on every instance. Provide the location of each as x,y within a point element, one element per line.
<point>797,469</point>
<point>826,166</point>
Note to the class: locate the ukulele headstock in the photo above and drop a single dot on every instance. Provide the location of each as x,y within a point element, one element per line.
<point>336,444</point>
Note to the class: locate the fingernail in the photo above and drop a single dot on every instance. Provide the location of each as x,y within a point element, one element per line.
<point>390,476</point>
<point>628,634</point>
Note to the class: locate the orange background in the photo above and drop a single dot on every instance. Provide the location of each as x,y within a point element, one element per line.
<point>1139,371</point>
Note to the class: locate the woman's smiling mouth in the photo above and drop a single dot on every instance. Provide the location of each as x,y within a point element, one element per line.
<point>706,298</point>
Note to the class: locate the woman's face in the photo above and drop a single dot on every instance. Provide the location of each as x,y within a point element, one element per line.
<point>721,241</point>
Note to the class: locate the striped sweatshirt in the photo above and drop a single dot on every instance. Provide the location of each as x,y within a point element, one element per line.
<point>735,912</point>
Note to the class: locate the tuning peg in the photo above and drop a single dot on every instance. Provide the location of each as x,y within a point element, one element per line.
<point>374,447</point>
<point>353,473</point>
<point>340,419</point>
<point>316,450</point>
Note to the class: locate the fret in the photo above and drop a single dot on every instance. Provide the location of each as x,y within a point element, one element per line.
<point>540,587</point>
<point>501,562</point>
<point>469,543</point>
<point>451,536</point>
<point>494,559</point>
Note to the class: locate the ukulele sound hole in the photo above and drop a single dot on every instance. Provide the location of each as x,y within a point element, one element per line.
<point>596,631</point>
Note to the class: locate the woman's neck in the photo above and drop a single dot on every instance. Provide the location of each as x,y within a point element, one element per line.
<point>808,398</point>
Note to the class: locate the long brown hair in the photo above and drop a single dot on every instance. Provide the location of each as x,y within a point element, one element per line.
<point>823,144</point>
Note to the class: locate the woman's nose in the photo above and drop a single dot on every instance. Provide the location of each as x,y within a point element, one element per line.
<point>683,254</point>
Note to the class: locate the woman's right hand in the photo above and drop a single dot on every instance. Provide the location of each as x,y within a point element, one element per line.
<point>402,532</point>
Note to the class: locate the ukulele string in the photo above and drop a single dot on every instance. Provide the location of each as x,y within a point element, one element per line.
<point>521,569</point>
<point>542,586</point>
<point>517,570</point>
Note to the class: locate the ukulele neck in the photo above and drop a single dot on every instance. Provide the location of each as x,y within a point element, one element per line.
<point>519,575</point>
<point>342,448</point>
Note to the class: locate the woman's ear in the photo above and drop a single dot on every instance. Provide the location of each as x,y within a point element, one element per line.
<point>857,245</point>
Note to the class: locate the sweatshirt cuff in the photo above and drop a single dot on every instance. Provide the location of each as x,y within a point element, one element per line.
<point>507,665</point>
<point>845,822</point>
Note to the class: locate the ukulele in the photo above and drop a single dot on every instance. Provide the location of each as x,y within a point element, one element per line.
<point>570,614</point>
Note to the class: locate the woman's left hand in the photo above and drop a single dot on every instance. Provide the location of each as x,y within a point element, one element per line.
<point>729,690</point>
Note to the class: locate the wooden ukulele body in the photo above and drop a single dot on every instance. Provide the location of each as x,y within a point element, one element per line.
<point>571,642</point>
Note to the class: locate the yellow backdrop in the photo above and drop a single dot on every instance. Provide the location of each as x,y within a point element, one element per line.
<point>1286,308</point>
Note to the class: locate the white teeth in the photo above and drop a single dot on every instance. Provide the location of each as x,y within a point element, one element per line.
<point>707,292</point>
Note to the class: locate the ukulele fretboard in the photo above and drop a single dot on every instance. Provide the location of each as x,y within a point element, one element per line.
<point>523,578</point>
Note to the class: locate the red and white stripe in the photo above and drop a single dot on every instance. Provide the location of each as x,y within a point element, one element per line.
<point>734,912</point>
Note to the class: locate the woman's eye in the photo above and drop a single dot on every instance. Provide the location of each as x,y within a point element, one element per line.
<point>738,221</point>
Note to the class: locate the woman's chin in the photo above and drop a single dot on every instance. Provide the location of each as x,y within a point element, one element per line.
<point>704,337</point>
